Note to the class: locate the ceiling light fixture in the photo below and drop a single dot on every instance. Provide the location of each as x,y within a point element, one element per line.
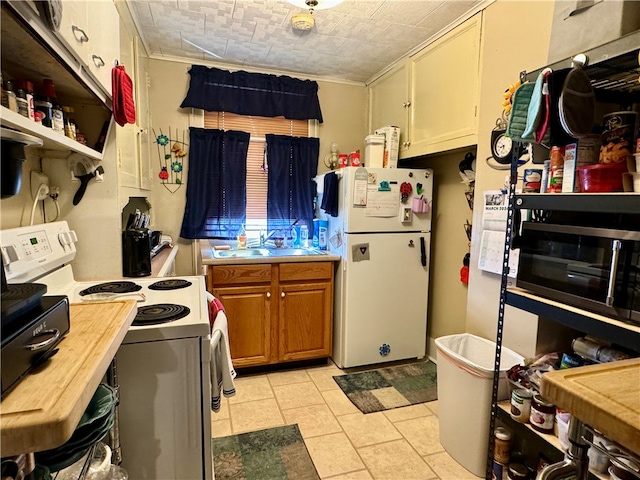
<point>303,21</point>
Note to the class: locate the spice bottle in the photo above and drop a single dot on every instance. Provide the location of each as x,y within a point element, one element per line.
<point>23,104</point>
<point>28,92</point>
<point>69,122</point>
<point>57,116</point>
<point>9,96</point>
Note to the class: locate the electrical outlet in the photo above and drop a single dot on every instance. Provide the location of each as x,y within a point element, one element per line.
<point>37,179</point>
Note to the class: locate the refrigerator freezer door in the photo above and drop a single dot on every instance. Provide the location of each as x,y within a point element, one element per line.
<point>355,218</point>
<point>381,304</point>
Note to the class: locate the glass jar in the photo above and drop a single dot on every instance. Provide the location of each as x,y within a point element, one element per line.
<point>27,86</point>
<point>502,445</point>
<point>69,122</point>
<point>22,102</point>
<point>9,96</point>
<point>521,405</point>
<point>517,471</point>
<point>543,413</point>
<point>45,108</point>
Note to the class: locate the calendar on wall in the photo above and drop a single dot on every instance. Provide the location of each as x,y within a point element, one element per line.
<point>494,226</point>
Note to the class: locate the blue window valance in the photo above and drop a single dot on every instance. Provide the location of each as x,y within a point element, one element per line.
<point>245,93</point>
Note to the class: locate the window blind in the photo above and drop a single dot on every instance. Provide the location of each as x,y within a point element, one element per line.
<point>258,127</point>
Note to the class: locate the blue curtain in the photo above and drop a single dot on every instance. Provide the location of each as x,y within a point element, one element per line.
<point>245,93</point>
<point>292,163</point>
<point>216,184</point>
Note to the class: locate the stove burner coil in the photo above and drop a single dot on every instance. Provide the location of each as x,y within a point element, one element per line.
<point>170,284</point>
<point>160,313</point>
<point>111,287</point>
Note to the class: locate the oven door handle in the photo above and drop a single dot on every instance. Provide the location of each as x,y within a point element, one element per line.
<point>46,343</point>
<point>613,272</point>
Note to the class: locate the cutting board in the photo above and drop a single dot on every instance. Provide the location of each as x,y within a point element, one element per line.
<point>604,396</point>
<point>45,407</point>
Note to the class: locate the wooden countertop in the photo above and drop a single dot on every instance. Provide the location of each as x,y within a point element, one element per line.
<point>44,409</point>
<point>161,263</point>
<point>605,397</point>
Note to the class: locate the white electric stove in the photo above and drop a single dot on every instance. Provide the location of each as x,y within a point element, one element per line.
<point>162,364</point>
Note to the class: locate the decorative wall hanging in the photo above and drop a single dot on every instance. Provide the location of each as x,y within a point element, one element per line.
<point>172,154</point>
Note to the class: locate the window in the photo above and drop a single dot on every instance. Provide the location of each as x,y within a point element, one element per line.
<point>258,127</point>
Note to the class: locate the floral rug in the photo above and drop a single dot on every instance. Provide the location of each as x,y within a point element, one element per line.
<point>273,454</point>
<point>390,387</point>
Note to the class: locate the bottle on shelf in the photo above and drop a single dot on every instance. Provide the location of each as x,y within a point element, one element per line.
<point>57,115</point>
<point>69,122</point>
<point>242,237</point>
<point>27,86</point>
<point>22,102</point>
<point>9,98</point>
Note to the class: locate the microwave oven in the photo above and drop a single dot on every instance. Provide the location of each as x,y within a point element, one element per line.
<point>596,269</point>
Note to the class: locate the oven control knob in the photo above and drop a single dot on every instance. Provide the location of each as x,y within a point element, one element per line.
<point>67,238</point>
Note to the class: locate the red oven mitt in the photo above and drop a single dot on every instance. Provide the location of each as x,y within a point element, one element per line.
<point>124,109</point>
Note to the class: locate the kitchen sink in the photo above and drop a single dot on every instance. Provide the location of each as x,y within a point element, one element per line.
<point>287,252</point>
<point>246,252</point>
<point>265,252</point>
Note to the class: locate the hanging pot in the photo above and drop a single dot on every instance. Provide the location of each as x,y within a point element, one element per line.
<point>13,157</point>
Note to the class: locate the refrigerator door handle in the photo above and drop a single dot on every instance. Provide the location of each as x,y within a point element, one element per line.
<point>423,252</point>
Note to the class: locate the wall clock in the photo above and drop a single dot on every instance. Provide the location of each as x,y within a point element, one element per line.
<point>501,147</point>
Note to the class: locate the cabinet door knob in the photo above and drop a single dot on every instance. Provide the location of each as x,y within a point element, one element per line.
<point>268,294</point>
<point>282,294</point>
<point>97,61</point>
<point>408,103</point>
<point>83,36</point>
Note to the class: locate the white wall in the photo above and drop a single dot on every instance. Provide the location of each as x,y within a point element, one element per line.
<point>515,36</point>
<point>343,108</point>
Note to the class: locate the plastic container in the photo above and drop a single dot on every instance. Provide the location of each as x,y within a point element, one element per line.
<point>562,421</point>
<point>323,227</point>
<point>373,151</point>
<point>601,177</point>
<point>465,373</point>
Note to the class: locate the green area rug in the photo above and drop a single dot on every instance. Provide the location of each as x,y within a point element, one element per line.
<point>390,387</point>
<point>272,454</point>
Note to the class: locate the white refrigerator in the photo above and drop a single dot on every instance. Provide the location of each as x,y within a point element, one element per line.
<point>382,279</point>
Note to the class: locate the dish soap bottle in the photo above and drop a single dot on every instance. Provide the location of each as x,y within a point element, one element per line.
<point>242,237</point>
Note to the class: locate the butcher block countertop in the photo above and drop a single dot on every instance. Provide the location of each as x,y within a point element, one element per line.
<point>605,397</point>
<point>44,409</point>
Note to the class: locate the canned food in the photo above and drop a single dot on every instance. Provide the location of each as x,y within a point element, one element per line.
<point>517,471</point>
<point>531,180</point>
<point>499,471</point>
<point>521,405</point>
<point>354,159</point>
<point>543,413</point>
<point>617,137</point>
<point>556,169</point>
<point>343,160</point>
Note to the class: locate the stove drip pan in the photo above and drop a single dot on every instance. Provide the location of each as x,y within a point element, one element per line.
<point>170,284</point>
<point>160,313</point>
<point>111,287</point>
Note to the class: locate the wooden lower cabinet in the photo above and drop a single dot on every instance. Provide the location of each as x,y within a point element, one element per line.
<point>276,312</point>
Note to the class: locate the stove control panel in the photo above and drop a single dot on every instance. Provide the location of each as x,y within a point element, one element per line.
<point>30,252</point>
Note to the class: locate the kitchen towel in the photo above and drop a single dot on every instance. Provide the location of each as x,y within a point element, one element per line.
<point>221,368</point>
<point>124,109</point>
<point>330,197</point>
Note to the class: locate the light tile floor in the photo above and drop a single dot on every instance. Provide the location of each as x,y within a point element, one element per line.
<point>397,444</point>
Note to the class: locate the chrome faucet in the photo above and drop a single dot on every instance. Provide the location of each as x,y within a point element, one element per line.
<point>576,462</point>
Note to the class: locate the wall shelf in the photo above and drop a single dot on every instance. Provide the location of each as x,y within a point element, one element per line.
<point>624,334</point>
<point>580,202</point>
<point>52,140</point>
<point>545,443</point>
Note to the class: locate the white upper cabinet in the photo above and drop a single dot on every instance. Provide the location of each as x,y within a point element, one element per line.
<point>444,91</point>
<point>433,97</point>
<point>389,102</point>
<point>88,29</point>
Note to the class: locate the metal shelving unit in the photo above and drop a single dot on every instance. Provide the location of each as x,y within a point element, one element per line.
<point>614,71</point>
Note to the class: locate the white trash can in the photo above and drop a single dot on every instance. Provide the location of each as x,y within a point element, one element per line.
<point>465,374</point>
